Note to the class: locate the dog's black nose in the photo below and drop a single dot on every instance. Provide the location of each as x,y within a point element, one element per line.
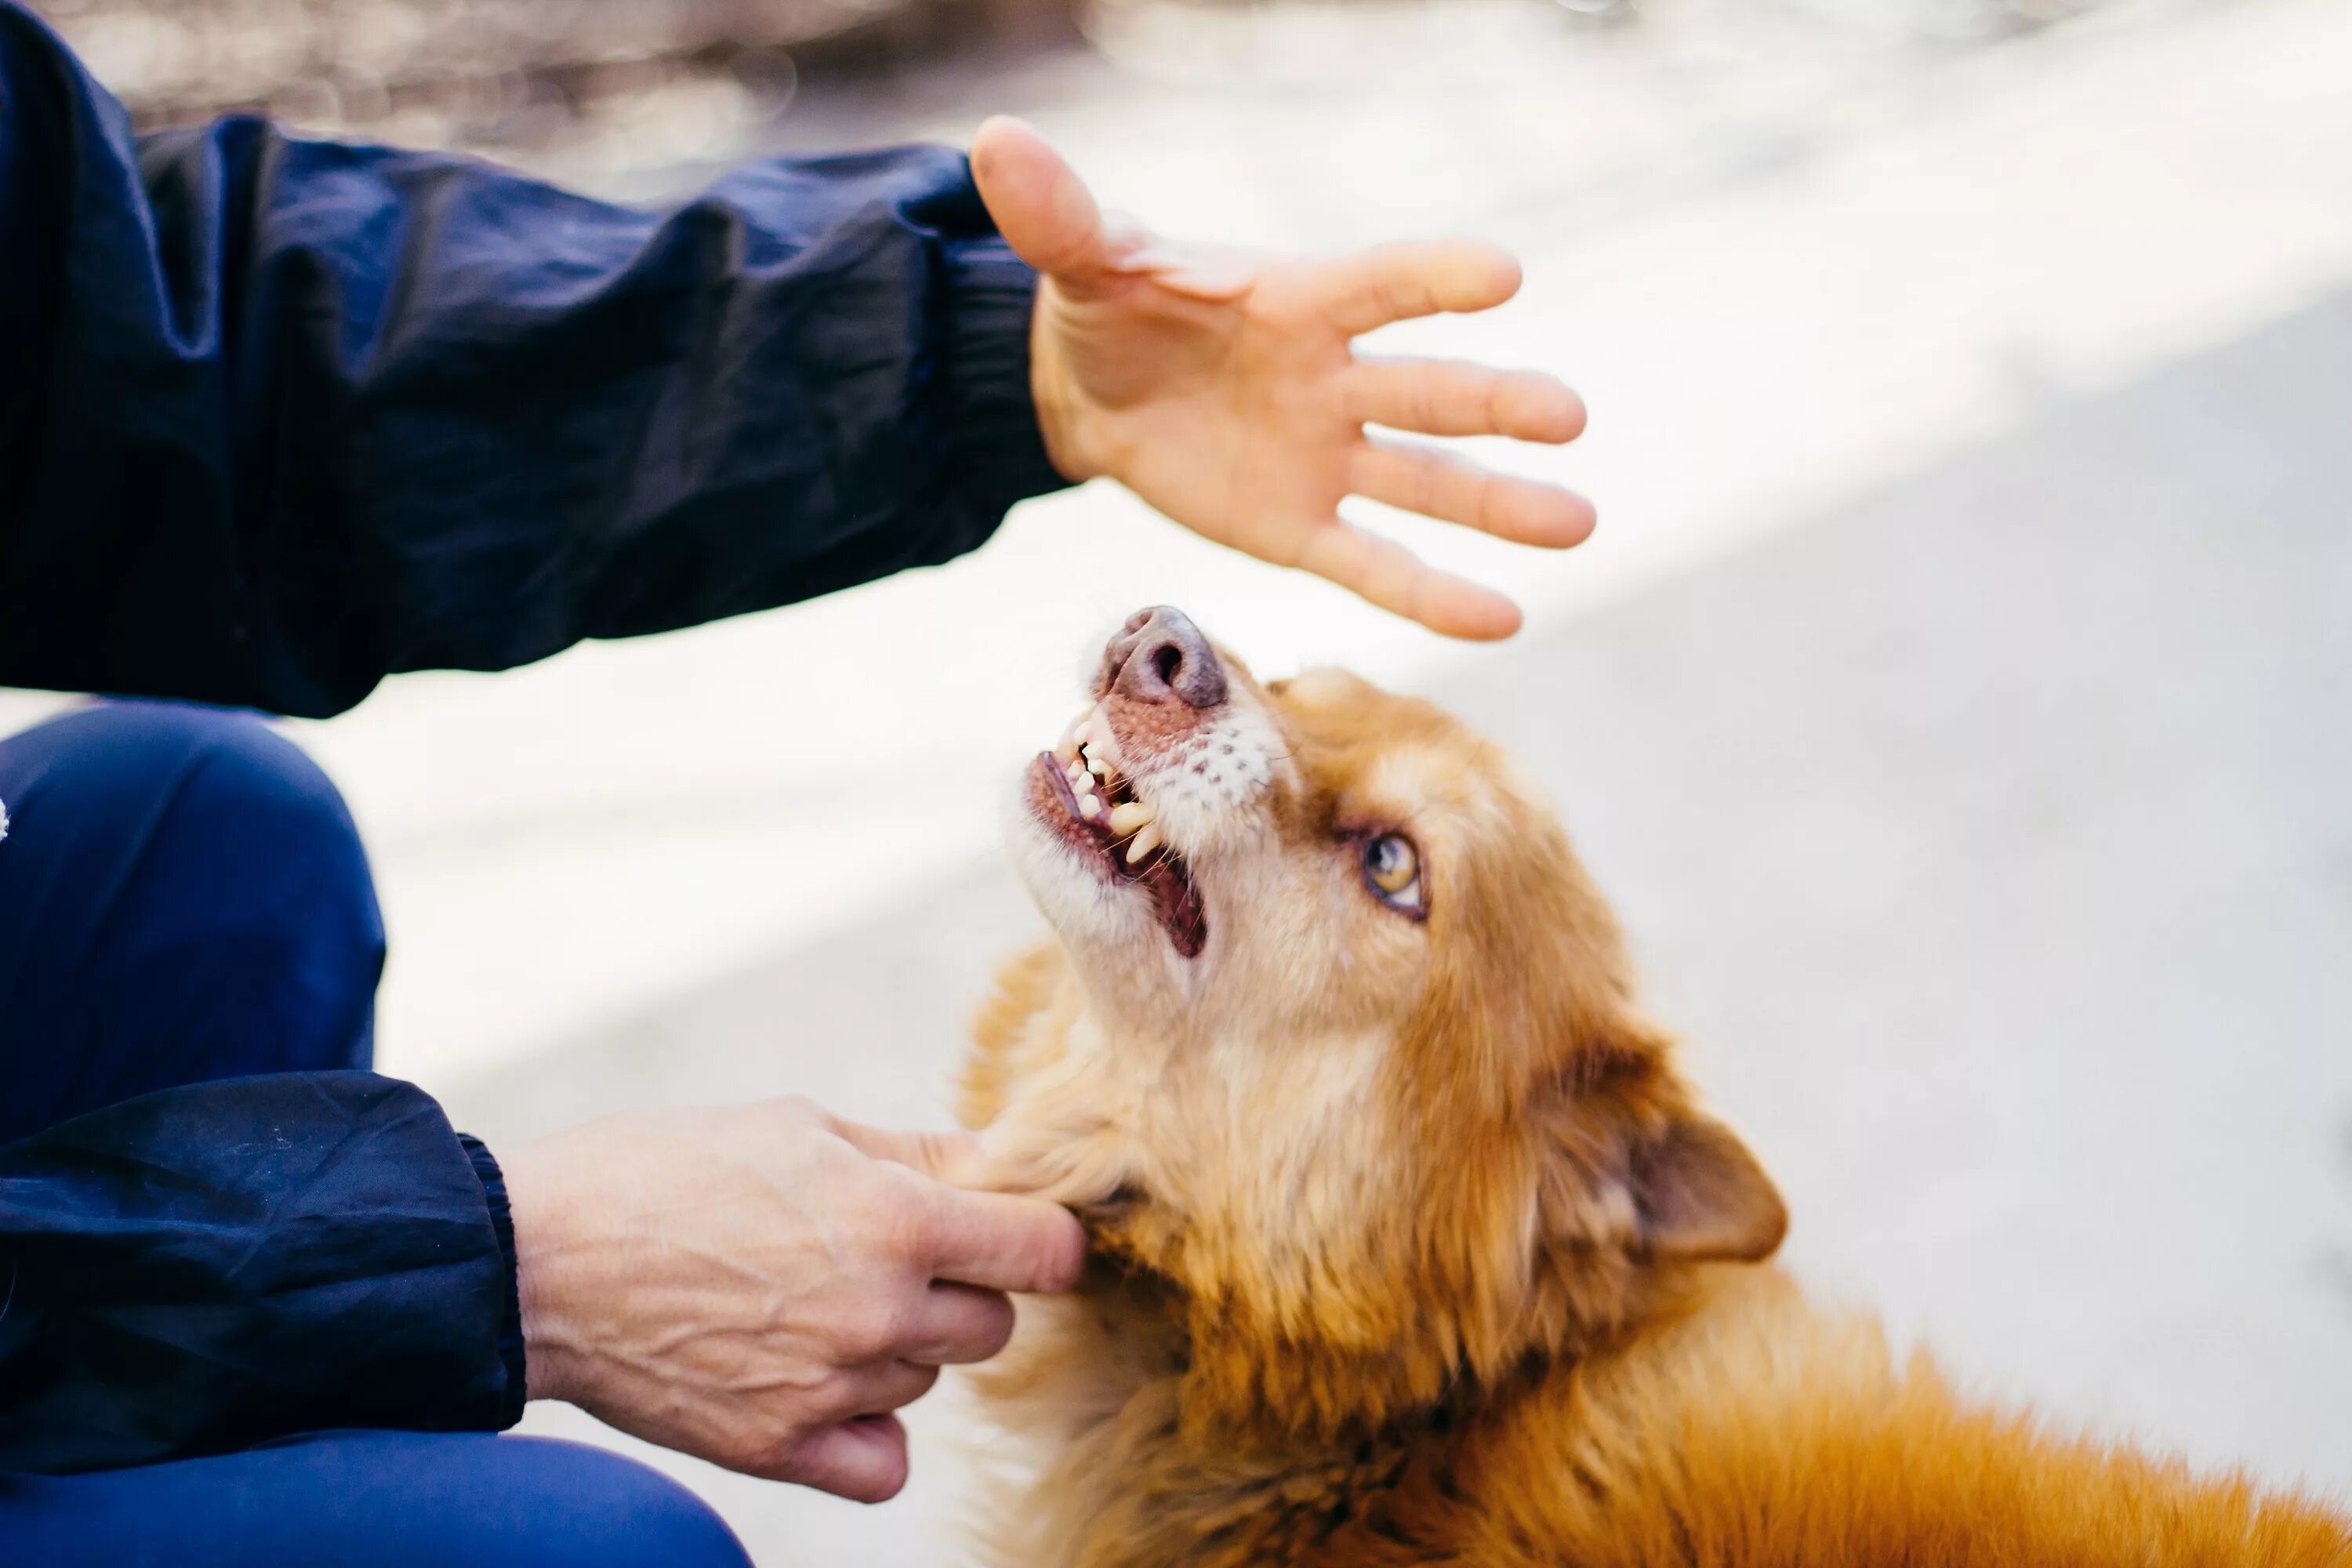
<point>1159,655</point>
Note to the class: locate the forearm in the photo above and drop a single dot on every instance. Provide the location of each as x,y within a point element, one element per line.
<point>204,1268</point>
<point>278,418</point>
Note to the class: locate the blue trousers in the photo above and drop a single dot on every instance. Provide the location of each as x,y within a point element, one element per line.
<point>182,897</point>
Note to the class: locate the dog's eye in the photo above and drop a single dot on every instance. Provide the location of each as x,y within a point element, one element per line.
<point>1392,872</point>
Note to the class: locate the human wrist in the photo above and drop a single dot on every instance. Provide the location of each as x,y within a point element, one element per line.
<point>1054,394</point>
<point>542,1219</point>
<point>996,444</point>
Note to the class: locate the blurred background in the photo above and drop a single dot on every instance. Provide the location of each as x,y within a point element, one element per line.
<point>1956,698</point>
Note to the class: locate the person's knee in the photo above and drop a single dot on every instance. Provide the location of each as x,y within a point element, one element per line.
<point>255,840</point>
<point>183,895</point>
<point>213,798</point>
<point>136,760</point>
<point>214,758</point>
<point>362,1499</point>
<point>594,1509</point>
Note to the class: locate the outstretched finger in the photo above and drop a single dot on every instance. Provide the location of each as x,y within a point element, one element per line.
<point>1414,278</point>
<point>1454,397</point>
<point>1387,574</point>
<point>1443,486</point>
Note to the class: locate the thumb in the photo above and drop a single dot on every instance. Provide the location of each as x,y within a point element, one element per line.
<point>1041,206</point>
<point>953,1159</point>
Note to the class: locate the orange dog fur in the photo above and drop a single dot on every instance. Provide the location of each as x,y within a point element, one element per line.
<point>1412,1247</point>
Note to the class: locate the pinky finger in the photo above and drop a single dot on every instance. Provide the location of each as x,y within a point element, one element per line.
<point>1386,573</point>
<point>864,1460</point>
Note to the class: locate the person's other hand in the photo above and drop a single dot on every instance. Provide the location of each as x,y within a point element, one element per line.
<point>760,1286</point>
<point>1221,389</point>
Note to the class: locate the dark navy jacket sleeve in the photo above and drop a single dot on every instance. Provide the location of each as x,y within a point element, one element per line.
<point>199,1268</point>
<point>281,417</point>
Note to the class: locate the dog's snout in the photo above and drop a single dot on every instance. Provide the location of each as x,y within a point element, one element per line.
<point>1159,655</point>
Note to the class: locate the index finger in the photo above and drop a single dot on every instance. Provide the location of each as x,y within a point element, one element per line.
<point>1001,1242</point>
<point>1415,278</point>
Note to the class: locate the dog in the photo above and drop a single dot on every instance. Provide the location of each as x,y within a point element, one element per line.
<point>1411,1246</point>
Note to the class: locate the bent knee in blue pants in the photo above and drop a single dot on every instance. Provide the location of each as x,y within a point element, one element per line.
<point>369,1499</point>
<point>182,897</point>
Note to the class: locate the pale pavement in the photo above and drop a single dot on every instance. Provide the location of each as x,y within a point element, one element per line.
<point>1955,697</point>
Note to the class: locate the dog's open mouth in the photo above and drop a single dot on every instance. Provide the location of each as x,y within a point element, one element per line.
<point>1094,809</point>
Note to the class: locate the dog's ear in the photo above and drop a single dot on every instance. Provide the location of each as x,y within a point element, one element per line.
<point>1646,1173</point>
<point>1700,1196</point>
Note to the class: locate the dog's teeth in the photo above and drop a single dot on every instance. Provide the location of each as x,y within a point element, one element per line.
<point>1145,841</point>
<point>1082,782</point>
<point>1089,808</point>
<point>1093,761</point>
<point>1129,815</point>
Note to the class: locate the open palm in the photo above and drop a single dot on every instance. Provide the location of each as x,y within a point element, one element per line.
<point>1224,390</point>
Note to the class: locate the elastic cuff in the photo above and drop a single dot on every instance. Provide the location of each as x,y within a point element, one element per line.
<point>511,1351</point>
<point>997,453</point>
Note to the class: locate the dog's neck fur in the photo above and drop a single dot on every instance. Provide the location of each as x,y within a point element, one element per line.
<point>1242,1421</point>
<point>1247,1187</point>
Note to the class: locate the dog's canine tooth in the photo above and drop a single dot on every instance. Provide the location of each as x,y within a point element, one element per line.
<point>1146,840</point>
<point>1129,815</point>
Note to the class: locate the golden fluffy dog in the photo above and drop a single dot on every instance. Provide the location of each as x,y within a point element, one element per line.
<point>1413,1245</point>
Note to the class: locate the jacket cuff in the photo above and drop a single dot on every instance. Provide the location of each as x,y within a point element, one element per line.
<point>995,450</point>
<point>511,1349</point>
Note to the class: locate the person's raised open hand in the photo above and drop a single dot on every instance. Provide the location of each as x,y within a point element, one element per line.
<point>1224,390</point>
<point>761,1285</point>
